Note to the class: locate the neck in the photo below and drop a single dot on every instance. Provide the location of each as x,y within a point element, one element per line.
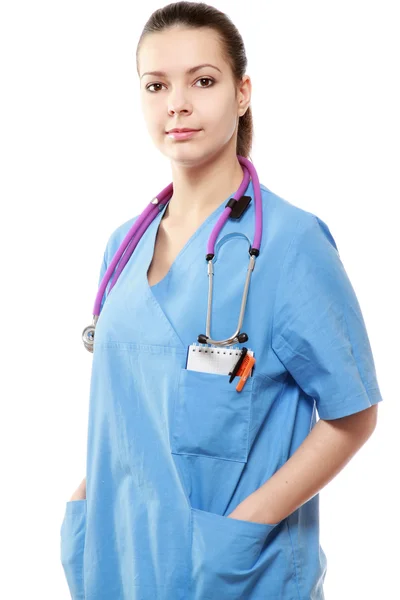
<point>198,191</point>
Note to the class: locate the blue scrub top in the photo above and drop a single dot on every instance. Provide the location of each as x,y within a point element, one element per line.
<point>171,451</point>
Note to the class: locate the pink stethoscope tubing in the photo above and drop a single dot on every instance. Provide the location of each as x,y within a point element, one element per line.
<point>141,224</point>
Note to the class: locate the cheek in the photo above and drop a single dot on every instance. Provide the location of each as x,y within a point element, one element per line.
<point>151,113</point>
<point>223,122</point>
<point>219,111</point>
<point>155,125</point>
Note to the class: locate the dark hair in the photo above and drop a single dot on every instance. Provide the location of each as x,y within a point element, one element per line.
<point>197,15</point>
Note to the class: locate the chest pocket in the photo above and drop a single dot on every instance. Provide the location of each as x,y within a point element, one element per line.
<point>210,417</point>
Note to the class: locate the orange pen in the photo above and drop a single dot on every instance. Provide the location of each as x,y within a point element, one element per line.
<point>244,371</point>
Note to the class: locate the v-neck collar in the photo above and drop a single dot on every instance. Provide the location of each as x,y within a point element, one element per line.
<point>154,227</point>
<point>151,234</point>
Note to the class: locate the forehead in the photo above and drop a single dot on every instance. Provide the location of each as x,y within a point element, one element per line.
<point>176,50</point>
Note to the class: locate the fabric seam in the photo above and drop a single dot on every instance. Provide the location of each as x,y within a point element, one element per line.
<point>190,561</point>
<point>353,346</point>
<point>278,287</point>
<point>294,574</point>
<point>283,388</point>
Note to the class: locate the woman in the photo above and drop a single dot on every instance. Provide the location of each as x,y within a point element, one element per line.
<point>194,490</point>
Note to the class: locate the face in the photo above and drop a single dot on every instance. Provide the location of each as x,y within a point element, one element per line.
<point>204,100</point>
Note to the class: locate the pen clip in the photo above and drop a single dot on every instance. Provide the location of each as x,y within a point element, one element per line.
<point>237,365</point>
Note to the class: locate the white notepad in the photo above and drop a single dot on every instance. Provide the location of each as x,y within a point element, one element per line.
<point>213,359</point>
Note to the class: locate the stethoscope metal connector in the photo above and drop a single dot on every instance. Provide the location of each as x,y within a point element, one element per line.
<point>241,338</point>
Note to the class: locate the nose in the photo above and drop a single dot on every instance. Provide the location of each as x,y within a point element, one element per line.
<point>178,104</point>
<point>172,110</point>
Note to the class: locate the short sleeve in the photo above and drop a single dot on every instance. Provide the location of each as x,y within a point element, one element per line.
<point>318,330</point>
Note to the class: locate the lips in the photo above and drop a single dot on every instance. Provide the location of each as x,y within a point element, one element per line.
<point>181,130</point>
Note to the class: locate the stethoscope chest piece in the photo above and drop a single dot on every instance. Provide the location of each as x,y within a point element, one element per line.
<point>88,335</point>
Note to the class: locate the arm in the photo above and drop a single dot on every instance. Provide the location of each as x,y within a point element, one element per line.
<point>326,450</point>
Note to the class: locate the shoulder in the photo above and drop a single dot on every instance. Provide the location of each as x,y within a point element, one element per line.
<point>291,224</point>
<point>117,235</point>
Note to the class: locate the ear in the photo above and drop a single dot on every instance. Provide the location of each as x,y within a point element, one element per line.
<point>244,95</point>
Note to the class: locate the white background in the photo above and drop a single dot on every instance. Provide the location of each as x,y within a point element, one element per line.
<point>76,162</point>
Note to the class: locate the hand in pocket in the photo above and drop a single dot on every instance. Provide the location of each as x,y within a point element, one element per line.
<point>80,492</point>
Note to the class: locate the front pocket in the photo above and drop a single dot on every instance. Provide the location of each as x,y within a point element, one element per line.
<point>210,417</point>
<point>72,546</point>
<point>225,556</point>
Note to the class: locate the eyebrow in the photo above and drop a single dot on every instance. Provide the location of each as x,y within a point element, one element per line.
<point>188,72</point>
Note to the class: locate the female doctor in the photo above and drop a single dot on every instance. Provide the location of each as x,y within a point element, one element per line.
<point>194,490</point>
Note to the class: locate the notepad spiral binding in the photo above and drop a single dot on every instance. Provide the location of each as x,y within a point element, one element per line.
<point>213,359</point>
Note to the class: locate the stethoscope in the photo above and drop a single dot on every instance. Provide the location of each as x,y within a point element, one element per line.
<point>233,209</point>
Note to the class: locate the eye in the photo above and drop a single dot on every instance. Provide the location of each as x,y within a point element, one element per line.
<point>205,79</point>
<point>149,86</point>
<point>201,79</point>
